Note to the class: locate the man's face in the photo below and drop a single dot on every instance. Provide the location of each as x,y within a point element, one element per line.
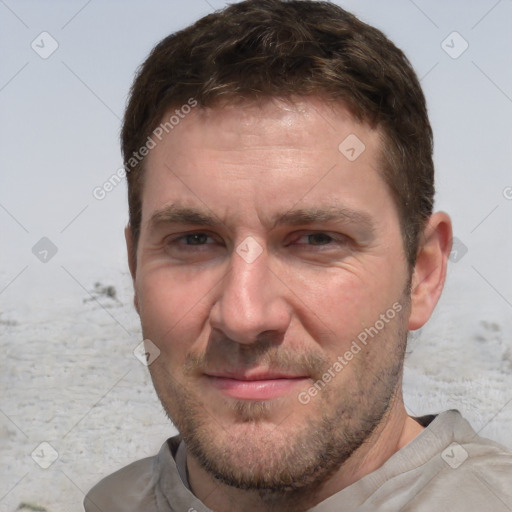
<point>265,251</point>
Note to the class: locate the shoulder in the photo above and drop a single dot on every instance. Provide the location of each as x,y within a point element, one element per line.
<point>471,479</point>
<point>469,472</point>
<point>466,447</point>
<point>119,491</point>
<point>132,488</point>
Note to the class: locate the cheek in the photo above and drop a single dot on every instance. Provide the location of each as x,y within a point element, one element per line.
<point>171,309</point>
<point>336,305</point>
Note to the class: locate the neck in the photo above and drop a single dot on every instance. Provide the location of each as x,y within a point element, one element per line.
<point>395,431</point>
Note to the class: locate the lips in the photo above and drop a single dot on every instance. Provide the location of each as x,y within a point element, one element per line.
<point>255,384</point>
<point>254,375</point>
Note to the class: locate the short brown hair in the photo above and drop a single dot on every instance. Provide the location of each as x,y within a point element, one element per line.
<point>259,49</point>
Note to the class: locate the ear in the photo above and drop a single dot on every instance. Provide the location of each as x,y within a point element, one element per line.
<point>132,260</point>
<point>430,269</point>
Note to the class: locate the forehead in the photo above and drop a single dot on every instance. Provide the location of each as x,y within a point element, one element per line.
<point>266,156</point>
<point>295,122</point>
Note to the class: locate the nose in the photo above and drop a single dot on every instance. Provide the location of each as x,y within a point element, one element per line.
<point>251,302</point>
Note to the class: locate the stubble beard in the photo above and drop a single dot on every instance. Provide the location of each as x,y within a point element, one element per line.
<point>288,463</point>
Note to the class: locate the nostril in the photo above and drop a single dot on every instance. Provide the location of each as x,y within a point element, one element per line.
<point>271,337</point>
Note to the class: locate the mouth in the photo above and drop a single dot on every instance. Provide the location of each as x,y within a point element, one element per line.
<point>254,385</point>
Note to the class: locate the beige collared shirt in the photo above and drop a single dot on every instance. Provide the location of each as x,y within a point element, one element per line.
<point>447,467</point>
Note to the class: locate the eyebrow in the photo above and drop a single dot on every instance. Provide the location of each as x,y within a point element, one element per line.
<point>176,214</point>
<point>329,214</point>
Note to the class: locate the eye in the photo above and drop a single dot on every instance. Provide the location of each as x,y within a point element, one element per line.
<point>319,244</point>
<point>187,241</point>
<point>318,238</point>
<point>194,239</point>
<point>193,247</point>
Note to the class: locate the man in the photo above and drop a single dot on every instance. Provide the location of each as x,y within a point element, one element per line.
<point>282,244</point>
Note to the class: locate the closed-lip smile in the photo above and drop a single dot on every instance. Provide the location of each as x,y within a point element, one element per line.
<point>255,384</point>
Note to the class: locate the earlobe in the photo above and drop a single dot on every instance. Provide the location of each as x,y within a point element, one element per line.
<point>430,269</point>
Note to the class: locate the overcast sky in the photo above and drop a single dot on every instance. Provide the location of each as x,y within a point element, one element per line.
<point>60,121</point>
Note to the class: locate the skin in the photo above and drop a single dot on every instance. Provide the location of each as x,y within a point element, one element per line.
<point>315,286</point>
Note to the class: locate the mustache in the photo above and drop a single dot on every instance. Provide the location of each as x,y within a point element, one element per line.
<point>231,356</point>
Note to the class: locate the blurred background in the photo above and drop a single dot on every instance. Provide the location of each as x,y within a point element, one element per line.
<point>76,403</point>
